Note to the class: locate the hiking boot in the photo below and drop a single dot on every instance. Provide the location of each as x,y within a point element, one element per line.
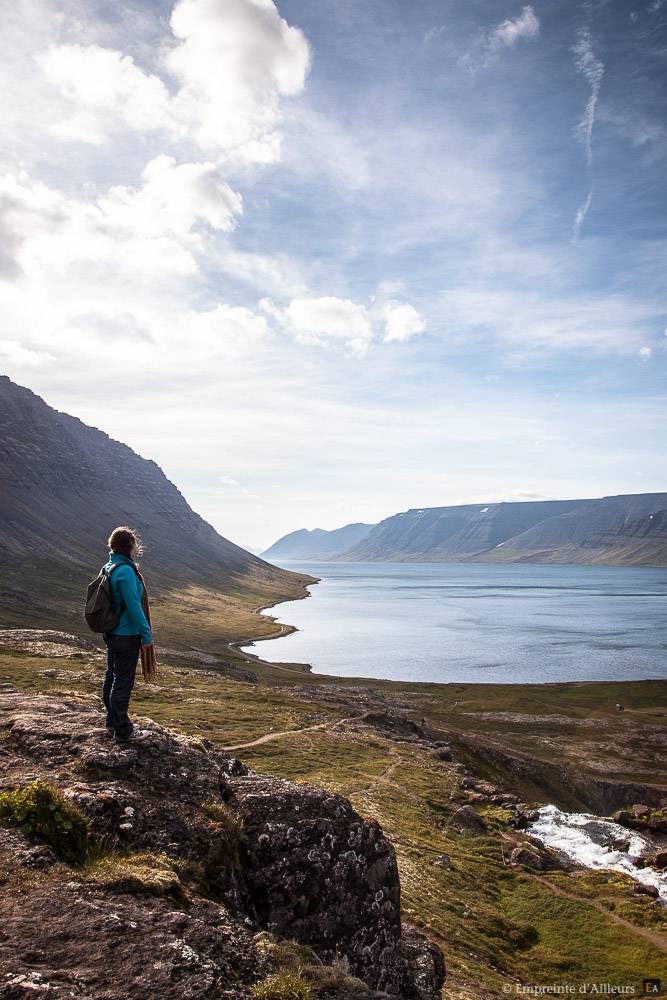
<point>134,736</point>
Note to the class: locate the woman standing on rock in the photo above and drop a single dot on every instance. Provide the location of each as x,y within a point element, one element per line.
<point>131,636</point>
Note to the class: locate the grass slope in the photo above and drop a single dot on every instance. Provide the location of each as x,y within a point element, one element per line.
<point>496,923</point>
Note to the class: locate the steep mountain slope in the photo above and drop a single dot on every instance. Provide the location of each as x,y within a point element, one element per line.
<point>558,531</point>
<point>633,543</point>
<point>66,485</point>
<point>591,534</point>
<point>316,544</point>
<point>440,533</point>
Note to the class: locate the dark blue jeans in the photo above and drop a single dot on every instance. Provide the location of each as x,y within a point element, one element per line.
<point>122,659</point>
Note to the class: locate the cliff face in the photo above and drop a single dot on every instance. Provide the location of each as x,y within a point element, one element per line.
<point>198,855</point>
<point>634,542</point>
<point>439,533</point>
<point>557,531</point>
<point>65,486</point>
<point>597,525</point>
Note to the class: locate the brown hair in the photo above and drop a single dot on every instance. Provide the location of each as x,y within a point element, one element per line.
<point>123,540</point>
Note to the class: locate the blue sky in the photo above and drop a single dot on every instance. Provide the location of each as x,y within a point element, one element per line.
<point>326,260</point>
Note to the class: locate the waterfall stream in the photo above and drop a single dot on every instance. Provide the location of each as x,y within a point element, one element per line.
<point>581,837</point>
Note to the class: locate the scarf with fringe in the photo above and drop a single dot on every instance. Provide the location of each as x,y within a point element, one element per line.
<point>148,664</point>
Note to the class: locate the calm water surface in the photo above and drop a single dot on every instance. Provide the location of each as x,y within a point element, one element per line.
<point>477,623</point>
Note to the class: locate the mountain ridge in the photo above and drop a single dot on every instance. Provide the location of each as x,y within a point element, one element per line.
<point>67,485</point>
<point>317,543</point>
<point>628,529</point>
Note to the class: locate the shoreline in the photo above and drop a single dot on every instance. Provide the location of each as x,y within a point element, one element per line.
<point>338,671</point>
<point>284,630</point>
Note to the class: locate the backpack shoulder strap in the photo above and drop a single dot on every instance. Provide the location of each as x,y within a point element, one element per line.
<point>115,566</point>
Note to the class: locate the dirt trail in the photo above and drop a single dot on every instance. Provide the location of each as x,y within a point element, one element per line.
<point>651,936</point>
<point>294,732</point>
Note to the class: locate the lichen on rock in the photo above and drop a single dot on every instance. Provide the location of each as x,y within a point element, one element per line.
<point>202,854</point>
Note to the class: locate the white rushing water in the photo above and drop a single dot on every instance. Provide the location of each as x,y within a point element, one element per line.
<point>580,836</point>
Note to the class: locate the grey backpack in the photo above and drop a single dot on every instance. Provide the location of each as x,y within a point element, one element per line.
<point>99,611</point>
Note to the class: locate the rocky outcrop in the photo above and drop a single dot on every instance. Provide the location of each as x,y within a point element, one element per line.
<point>319,873</point>
<point>197,854</point>
<point>536,856</point>
<point>64,936</point>
<point>468,823</point>
<point>537,780</point>
<point>640,817</point>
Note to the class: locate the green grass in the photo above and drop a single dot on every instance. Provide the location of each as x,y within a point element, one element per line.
<point>47,817</point>
<point>493,922</point>
<point>283,985</point>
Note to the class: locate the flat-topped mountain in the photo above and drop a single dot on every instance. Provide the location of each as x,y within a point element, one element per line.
<point>624,530</point>
<point>66,485</point>
<point>316,544</point>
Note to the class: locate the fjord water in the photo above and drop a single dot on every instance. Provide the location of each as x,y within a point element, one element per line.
<point>443,622</point>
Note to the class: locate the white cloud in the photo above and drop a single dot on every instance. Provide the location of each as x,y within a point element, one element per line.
<point>432,33</point>
<point>509,32</point>
<point>579,218</point>
<point>326,320</point>
<point>235,60</point>
<point>173,199</point>
<point>106,81</point>
<point>332,322</point>
<point>592,70</point>
<point>505,35</point>
<point>645,352</point>
<point>611,324</point>
<point>45,233</point>
<point>225,331</point>
<point>403,321</point>
<point>111,323</point>
<point>149,230</point>
<point>277,275</point>
<point>519,496</point>
<point>229,65</point>
<point>15,355</point>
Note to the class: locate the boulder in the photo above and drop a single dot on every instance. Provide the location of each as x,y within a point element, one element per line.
<point>658,821</point>
<point>468,822</point>
<point>524,817</point>
<point>293,859</point>
<point>661,859</point>
<point>442,861</point>
<point>536,855</point>
<point>640,817</point>
<point>526,858</point>
<point>425,962</point>
<point>646,890</point>
<point>71,937</point>
<point>618,844</point>
<point>320,874</point>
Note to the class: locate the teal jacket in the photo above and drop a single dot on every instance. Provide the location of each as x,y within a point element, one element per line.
<point>126,592</point>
